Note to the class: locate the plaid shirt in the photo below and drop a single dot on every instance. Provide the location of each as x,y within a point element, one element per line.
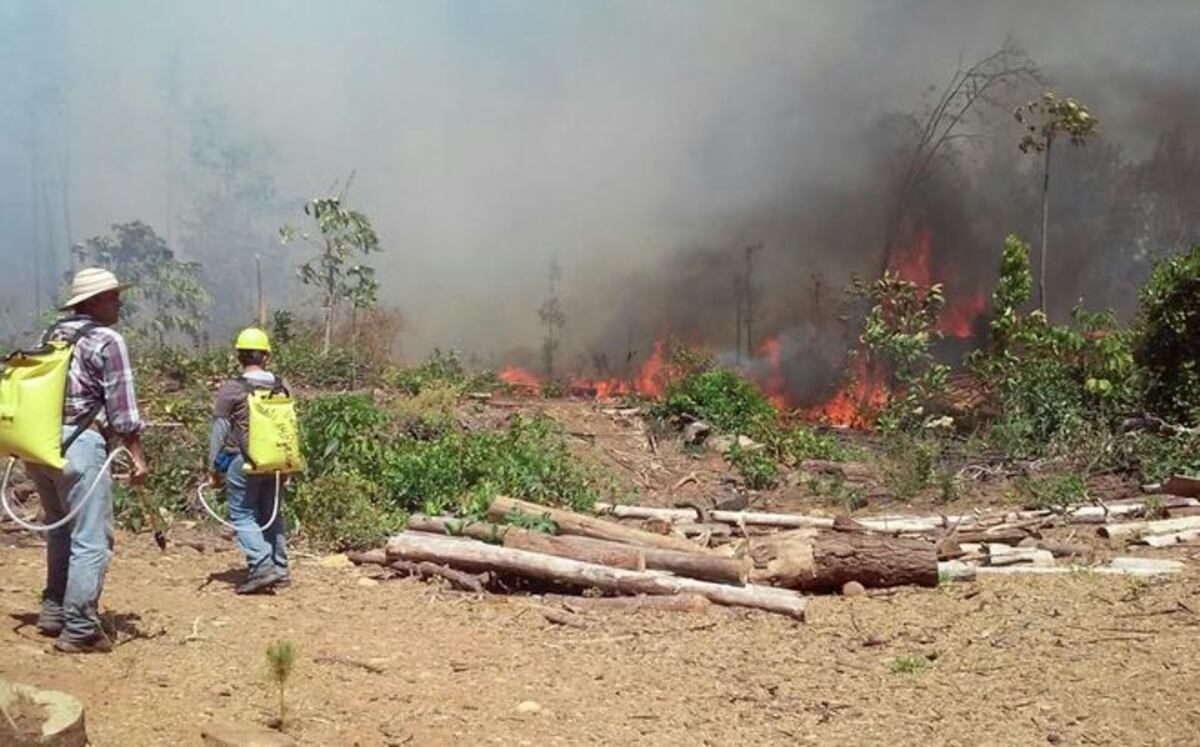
<point>100,373</point>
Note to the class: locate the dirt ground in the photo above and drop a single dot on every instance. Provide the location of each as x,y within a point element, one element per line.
<point>1073,659</point>
<point>1080,659</point>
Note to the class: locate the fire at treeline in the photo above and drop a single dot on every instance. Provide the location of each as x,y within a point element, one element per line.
<point>667,210</point>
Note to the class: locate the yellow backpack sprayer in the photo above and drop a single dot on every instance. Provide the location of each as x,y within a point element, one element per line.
<point>272,440</point>
<point>33,385</point>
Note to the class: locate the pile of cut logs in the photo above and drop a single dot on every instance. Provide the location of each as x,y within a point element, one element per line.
<point>682,557</point>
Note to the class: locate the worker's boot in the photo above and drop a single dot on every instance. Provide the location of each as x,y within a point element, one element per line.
<point>96,643</point>
<point>257,583</point>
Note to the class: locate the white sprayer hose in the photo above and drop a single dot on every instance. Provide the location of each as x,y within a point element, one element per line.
<point>72,514</point>
<point>274,510</point>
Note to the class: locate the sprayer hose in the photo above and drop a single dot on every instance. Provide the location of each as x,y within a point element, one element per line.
<point>274,509</point>
<point>73,512</point>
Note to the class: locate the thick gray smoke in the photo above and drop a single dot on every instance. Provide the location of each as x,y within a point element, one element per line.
<point>641,144</point>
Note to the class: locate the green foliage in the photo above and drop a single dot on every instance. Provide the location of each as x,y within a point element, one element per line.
<point>1159,456</point>
<point>533,522</point>
<point>344,234</point>
<point>1047,118</point>
<point>898,333</point>
<point>1053,383</point>
<point>343,511</point>
<point>281,659</point>
<point>461,472</point>
<point>441,367</point>
<point>303,361</point>
<point>723,399</point>
<point>447,471</point>
<point>166,296</point>
<point>910,463</point>
<point>1054,492</point>
<point>175,392</point>
<point>344,432</point>
<point>1168,338</point>
<point>758,470</point>
<point>801,442</point>
<point>429,413</point>
<point>908,665</point>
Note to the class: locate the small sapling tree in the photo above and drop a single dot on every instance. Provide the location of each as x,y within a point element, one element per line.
<point>344,235</point>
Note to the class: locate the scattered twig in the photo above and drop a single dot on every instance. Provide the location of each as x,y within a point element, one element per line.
<point>349,662</point>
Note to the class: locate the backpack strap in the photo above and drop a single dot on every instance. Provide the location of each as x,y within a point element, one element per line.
<point>90,417</point>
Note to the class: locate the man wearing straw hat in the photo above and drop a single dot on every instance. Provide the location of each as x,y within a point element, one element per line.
<point>100,401</point>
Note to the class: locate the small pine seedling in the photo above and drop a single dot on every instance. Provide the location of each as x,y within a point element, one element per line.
<point>281,657</point>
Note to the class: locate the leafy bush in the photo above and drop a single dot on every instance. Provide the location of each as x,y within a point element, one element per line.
<point>299,359</point>
<point>1052,382</point>
<point>899,333</point>
<point>1168,338</point>
<point>723,399</point>
<point>802,442</point>
<point>343,511</point>
<point>1053,492</point>
<point>1159,456</point>
<point>429,413</point>
<point>344,433</point>
<point>758,470</point>
<point>439,368</point>
<point>910,463</point>
<point>463,471</point>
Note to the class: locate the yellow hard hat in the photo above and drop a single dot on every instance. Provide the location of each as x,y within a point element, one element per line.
<point>252,338</point>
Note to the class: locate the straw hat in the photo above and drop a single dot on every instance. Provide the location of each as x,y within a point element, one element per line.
<point>90,282</point>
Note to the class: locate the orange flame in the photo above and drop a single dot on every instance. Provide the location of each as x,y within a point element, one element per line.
<point>854,405</point>
<point>516,376</point>
<point>773,384</point>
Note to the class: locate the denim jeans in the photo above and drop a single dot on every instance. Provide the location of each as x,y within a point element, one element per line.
<point>251,500</point>
<point>77,555</point>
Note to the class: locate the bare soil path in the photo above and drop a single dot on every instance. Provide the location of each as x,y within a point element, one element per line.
<point>1079,659</point>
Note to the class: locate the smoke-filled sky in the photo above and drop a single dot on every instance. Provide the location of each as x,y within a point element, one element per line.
<point>620,137</point>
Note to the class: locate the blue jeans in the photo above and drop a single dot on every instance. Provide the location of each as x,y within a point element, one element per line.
<point>251,499</point>
<point>77,555</point>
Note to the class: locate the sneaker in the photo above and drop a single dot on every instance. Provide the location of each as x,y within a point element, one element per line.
<point>258,582</point>
<point>283,582</point>
<point>96,643</point>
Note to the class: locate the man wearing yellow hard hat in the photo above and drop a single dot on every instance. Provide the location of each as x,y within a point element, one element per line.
<point>252,499</point>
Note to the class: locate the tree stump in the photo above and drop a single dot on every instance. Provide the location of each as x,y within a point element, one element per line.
<point>31,717</point>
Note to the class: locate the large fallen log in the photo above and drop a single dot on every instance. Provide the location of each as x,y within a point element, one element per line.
<point>1143,528</point>
<point>787,521</point>
<point>569,522</point>
<point>417,547</point>
<point>591,550</point>
<point>827,562</point>
<point>1187,536</point>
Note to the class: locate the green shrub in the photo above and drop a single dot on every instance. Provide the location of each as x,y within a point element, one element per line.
<point>344,433</point>
<point>758,470</point>
<point>343,511</point>
<point>441,368</point>
<point>1168,331</point>
<point>910,463</point>
<point>301,362</point>
<point>796,444</point>
<point>429,413</point>
<point>1052,383</point>
<point>461,472</point>
<point>723,399</point>
<point>1159,456</point>
<point>1053,492</point>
